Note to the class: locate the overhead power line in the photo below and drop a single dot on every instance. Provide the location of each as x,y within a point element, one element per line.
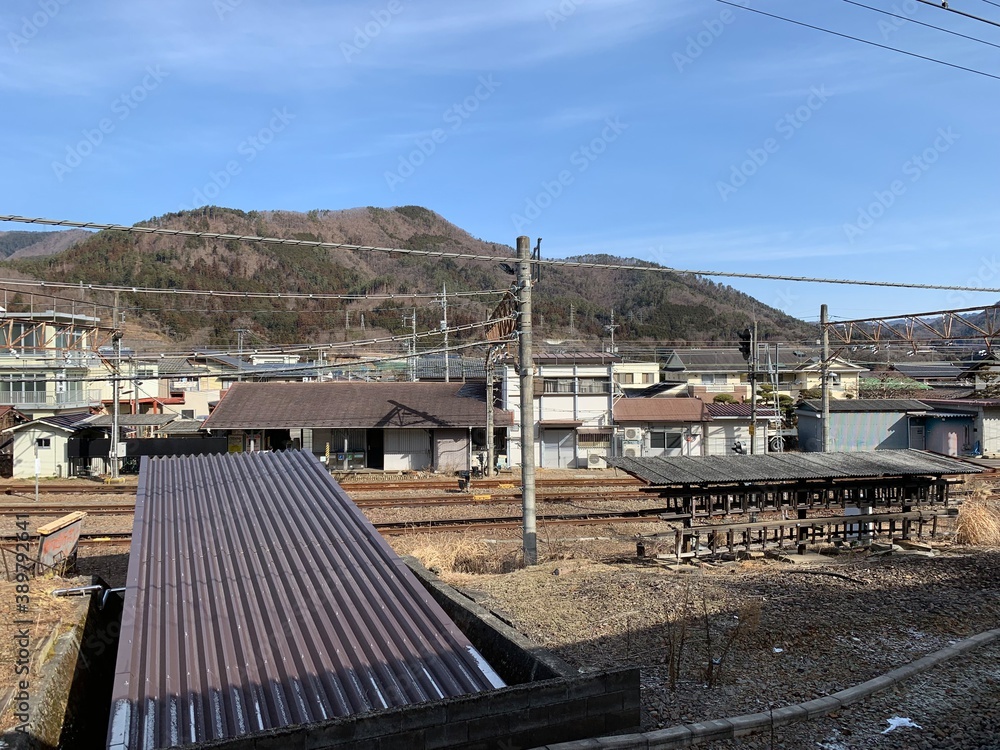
<point>945,6</point>
<point>246,295</point>
<point>490,258</point>
<point>859,39</point>
<point>921,23</point>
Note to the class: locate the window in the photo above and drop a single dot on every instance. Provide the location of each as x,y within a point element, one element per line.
<point>43,442</point>
<point>187,413</point>
<point>666,439</point>
<point>558,385</point>
<point>594,385</point>
<point>593,439</point>
<point>649,377</point>
<point>625,378</point>
<point>710,379</point>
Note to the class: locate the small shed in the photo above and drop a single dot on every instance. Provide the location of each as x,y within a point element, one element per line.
<point>43,443</point>
<point>866,424</point>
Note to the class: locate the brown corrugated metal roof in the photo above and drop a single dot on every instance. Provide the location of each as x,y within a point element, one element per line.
<point>661,410</point>
<point>353,404</point>
<point>259,596</point>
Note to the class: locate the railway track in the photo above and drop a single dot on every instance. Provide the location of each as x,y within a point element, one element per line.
<point>651,515</point>
<point>30,507</point>
<point>78,488</point>
<point>46,509</point>
<point>489,484</point>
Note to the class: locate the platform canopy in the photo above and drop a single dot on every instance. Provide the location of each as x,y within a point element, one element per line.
<point>776,467</point>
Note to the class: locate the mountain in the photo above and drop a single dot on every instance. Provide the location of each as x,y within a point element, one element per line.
<point>30,244</point>
<point>648,306</point>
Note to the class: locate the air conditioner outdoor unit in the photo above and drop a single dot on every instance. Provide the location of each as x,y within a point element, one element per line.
<point>595,461</point>
<point>633,433</point>
<point>631,453</point>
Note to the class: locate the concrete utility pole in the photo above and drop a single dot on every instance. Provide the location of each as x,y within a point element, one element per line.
<point>116,337</point>
<point>752,362</point>
<point>488,469</point>
<point>612,328</point>
<point>412,344</point>
<point>825,374</point>
<point>444,327</point>
<point>526,363</point>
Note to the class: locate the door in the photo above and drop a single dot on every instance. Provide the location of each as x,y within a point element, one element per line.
<point>558,449</point>
<point>374,449</point>
<point>917,436</point>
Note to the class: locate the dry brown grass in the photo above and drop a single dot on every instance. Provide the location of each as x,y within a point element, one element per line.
<point>979,522</point>
<point>466,555</point>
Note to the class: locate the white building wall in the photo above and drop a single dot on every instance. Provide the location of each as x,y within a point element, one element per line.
<point>53,461</point>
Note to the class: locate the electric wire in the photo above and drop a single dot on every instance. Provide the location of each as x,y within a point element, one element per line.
<point>247,295</point>
<point>649,268</point>
<point>922,23</point>
<point>945,6</point>
<point>859,39</point>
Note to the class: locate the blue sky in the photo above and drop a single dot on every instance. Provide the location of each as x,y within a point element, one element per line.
<point>688,133</point>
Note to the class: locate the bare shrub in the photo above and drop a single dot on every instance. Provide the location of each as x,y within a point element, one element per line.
<point>466,555</point>
<point>979,522</point>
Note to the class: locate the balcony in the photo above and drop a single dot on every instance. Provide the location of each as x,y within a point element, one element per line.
<point>39,400</point>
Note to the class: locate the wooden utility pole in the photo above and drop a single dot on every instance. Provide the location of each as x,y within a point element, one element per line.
<point>527,376</point>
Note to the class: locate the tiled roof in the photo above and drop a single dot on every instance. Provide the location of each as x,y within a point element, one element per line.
<point>259,597</point>
<point>660,410</point>
<point>182,427</point>
<point>133,420</point>
<point>929,370</point>
<point>788,466</point>
<point>740,410</point>
<point>353,404</point>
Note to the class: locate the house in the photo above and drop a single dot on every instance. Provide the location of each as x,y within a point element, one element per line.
<point>710,372</point>
<point>573,402</point>
<point>662,426</point>
<point>49,363</point>
<point>360,425</point>
<point>635,376</point>
<point>889,424</point>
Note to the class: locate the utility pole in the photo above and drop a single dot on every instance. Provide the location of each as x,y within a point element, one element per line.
<point>444,327</point>
<point>526,365</point>
<point>825,374</point>
<point>412,344</point>
<point>612,328</point>
<point>488,469</point>
<point>572,325</point>
<point>752,362</point>
<point>116,337</point>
